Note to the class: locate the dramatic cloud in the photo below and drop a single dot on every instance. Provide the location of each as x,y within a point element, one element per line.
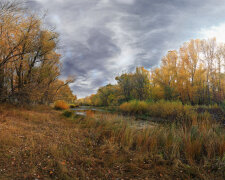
<point>101,38</point>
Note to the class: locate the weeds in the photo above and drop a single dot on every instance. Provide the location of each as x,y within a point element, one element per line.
<point>197,142</point>
<point>67,113</point>
<point>39,143</point>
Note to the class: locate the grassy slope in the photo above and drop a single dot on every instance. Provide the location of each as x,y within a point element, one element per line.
<point>42,144</point>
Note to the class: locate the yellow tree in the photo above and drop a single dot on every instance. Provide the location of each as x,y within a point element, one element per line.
<point>189,62</point>
<point>166,75</point>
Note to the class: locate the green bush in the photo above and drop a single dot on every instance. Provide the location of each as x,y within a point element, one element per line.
<point>67,113</point>
<point>73,105</point>
<point>223,105</point>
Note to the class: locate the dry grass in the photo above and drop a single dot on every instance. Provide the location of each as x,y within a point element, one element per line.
<point>167,110</point>
<point>198,151</point>
<point>204,139</point>
<point>164,109</point>
<point>40,143</point>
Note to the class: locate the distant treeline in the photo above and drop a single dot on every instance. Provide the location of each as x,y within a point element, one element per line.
<point>29,62</point>
<point>195,74</point>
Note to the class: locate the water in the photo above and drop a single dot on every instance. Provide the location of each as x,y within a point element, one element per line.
<point>87,110</point>
<point>83,110</point>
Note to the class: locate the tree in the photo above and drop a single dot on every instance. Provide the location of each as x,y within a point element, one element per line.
<point>195,75</point>
<point>29,63</point>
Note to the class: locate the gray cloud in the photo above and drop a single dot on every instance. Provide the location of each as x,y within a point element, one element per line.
<point>101,38</point>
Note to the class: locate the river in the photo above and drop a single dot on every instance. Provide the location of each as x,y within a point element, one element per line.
<point>87,110</point>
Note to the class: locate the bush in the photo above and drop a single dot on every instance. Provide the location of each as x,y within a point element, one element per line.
<point>223,105</point>
<point>174,111</point>
<point>73,105</point>
<point>134,107</point>
<point>67,113</point>
<point>61,105</point>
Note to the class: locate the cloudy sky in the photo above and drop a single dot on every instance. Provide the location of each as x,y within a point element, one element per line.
<point>99,39</point>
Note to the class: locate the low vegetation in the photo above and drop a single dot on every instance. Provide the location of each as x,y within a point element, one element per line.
<point>173,111</point>
<point>73,105</point>
<point>40,143</point>
<point>68,113</point>
<point>194,149</point>
<point>61,105</point>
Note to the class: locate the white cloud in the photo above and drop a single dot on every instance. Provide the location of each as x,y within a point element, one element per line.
<point>214,31</point>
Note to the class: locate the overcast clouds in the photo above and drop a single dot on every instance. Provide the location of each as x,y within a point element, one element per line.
<point>101,38</point>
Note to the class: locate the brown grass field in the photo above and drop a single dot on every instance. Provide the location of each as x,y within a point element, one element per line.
<point>40,143</point>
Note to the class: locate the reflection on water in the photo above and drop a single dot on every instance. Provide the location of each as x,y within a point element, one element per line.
<point>91,111</point>
<point>85,108</point>
<point>88,110</point>
<point>81,113</point>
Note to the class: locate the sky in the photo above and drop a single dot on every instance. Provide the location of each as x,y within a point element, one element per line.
<point>100,39</point>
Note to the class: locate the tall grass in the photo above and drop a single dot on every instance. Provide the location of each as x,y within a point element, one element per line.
<point>171,111</point>
<point>199,143</point>
<point>39,143</point>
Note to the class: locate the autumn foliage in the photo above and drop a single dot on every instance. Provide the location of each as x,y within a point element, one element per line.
<point>61,105</point>
<point>194,74</point>
<point>29,63</point>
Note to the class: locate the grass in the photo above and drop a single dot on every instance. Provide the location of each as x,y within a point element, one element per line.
<point>172,111</point>
<point>197,151</point>
<point>162,137</point>
<point>41,143</point>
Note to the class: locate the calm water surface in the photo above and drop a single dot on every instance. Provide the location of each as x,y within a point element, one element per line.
<point>84,110</point>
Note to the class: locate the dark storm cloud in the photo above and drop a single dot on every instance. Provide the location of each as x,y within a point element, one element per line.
<point>101,38</point>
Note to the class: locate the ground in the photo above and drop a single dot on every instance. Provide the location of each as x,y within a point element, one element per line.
<point>40,143</point>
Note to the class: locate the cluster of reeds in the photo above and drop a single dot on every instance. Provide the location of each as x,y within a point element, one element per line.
<point>198,143</point>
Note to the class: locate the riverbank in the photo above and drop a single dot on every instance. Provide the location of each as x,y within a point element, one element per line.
<point>41,143</point>
<point>161,111</point>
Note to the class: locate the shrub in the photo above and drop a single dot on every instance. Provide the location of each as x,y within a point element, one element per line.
<point>61,105</point>
<point>223,105</point>
<point>67,113</point>
<point>73,105</point>
<point>174,111</point>
<point>134,107</point>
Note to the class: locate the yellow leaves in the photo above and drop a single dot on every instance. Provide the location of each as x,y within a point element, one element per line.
<point>157,92</point>
<point>47,40</point>
<point>27,52</point>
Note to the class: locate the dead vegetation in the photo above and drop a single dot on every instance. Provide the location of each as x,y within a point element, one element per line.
<point>40,143</point>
